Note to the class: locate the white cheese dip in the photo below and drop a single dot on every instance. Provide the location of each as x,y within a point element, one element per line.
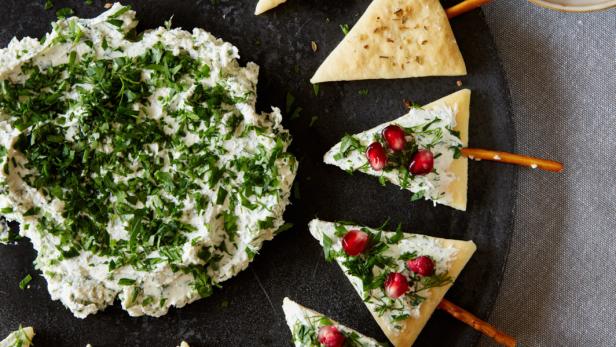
<point>138,167</point>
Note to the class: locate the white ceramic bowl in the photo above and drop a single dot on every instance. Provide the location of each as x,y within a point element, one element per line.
<point>576,5</point>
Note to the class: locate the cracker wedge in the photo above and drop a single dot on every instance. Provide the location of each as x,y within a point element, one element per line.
<point>305,324</point>
<point>395,39</point>
<point>266,5</point>
<point>21,338</point>
<point>403,318</point>
<point>447,185</point>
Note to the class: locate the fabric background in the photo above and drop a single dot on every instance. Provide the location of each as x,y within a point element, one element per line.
<point>559,287</point>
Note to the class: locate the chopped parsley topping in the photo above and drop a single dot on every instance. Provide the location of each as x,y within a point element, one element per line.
<point>307,334</point>
<point>136,185</point>
<point>374,264</point>
<point>25,281</point>
<point>434,134</point>
<point>126,281</point>
<point>316,88</point>
<point>18,338</point>
<point>48,4</point>
<point>313,120</point>
<point>290,101</point>
<point>348,144</point>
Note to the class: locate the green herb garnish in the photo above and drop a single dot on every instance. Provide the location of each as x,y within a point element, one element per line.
<point>126,281</point>
<point>64,12</point>
<point>25,281</point>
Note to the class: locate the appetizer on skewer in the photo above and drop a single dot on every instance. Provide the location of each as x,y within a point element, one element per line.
<point>420,151</point>
<point>401,277</point>
<point>310,328</point>
<point>424,152</point>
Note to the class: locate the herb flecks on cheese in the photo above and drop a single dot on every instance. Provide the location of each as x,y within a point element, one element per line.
<point>305,324</point>
<point>387,253</point>
<point>426,129</point>
<point>20,338</point>
<point>137,164</point>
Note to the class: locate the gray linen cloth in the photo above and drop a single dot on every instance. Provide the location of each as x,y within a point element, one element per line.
<point>559,287</point>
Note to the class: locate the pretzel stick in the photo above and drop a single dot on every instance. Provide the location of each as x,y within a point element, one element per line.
<point>464,7</point>
<point>510,158</point>
<point>476,323</point>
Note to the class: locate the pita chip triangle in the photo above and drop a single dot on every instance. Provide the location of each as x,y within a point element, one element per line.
<point>266,5</point>
<point>402,318</point>
<point>395,39</point>
<point>305,324</point>
<point>441,126</point>
<point>22,337</point>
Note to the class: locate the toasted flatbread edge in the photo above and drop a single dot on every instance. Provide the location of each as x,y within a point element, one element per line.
<point>29,332</point>
<point>266,5</point>
<point>458,189</point>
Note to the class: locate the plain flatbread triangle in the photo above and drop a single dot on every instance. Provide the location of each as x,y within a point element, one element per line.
<point>308,321</point>
<point>266,5</point>
<point>457,252</point>
<point>453,194</point>
<point>395,39</point>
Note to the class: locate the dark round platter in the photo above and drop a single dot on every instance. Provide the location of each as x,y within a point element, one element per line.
<point>247,310</point>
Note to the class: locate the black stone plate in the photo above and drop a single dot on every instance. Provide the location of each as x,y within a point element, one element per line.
<point>247,311</point>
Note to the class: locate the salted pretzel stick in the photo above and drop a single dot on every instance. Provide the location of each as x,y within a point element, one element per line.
<point>476,323</point>
<point>464,7</point>
<point>510,158</point>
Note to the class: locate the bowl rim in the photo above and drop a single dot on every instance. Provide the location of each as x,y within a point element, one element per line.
<point>600,5</point>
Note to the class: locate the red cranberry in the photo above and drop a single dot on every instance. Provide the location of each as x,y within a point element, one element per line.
<point>354,242</point>
<point>423,265</point>
<point>395,137</point>
<point>330,336</point>
<point>396,285</point>
<point>376,156</point>
<point>422,162</point>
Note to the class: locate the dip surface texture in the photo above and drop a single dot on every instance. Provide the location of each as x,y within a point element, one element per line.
<point>137,164</point>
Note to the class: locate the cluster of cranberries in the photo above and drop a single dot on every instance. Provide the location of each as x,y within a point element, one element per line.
<point>355,242</point>
<point>421,162</point>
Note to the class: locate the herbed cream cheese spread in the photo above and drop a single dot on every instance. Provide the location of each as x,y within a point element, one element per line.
<point>136,163</point>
